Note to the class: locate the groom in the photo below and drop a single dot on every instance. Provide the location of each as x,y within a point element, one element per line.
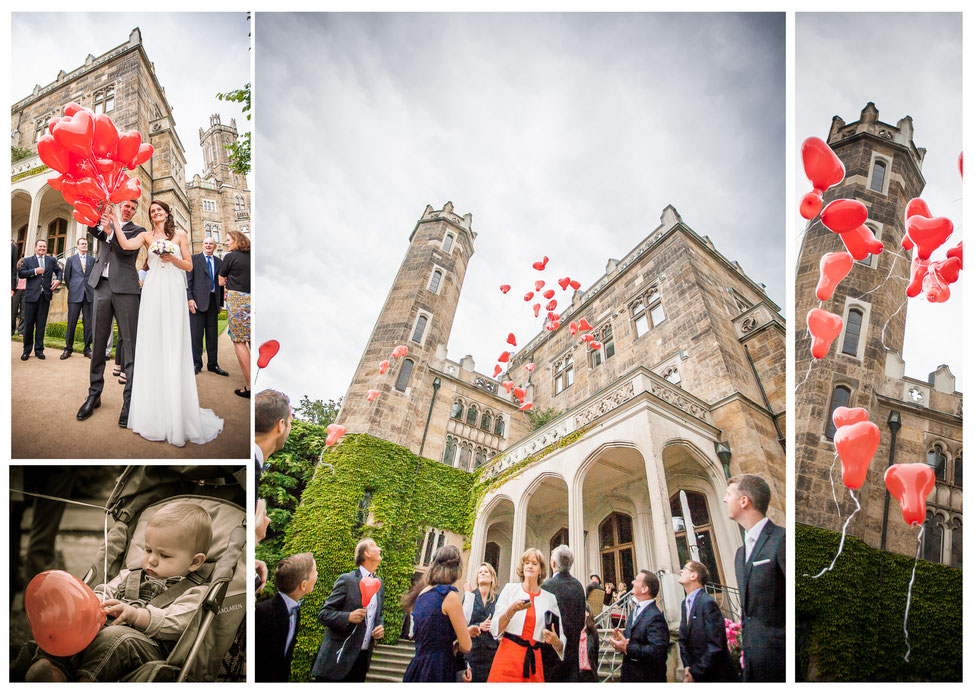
<point>117,292</point>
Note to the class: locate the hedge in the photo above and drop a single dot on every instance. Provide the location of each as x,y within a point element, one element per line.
<point>408,494</point>
<point>849,621</point>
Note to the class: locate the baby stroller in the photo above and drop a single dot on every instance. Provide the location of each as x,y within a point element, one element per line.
<point>213,645</point>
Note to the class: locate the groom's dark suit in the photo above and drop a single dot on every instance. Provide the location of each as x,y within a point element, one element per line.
<point>762,585</point>
<point>116,296</point>
<point>204,322</point>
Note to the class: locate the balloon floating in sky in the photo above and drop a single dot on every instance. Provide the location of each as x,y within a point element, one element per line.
<point>928,234</point>
<point>334,433</point>
<point>845,215</point>
<point>504,357</point>
<point>916,276</point>
<point>529,367</point>
<point>833,268</point>
<point>911,484</point>
<point>508,384</point>
<point>856,445</point>
<point>845,416</point>
<point>550,293</point>
<point>519,393</point>
<point>497,370</point>
<point>824,328</point>
<point>564,282</point>
<point>860,242</point>
<point>538,285</point>
<point>526,406</point>
<point>540,265</point>
<point>383,366</point>
<point>811,205</point>
<point>372,395</point>
<point>399,351</point>
<point>823,167</point>
<point>266,352</point>
<point>529,295</point>
<point>504,288</point>
<point>511,339</point>
<point>575,285</point>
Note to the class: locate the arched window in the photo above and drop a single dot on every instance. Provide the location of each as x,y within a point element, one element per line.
<point>878,176</point>
<point>481,457</point>
<point>560,537</point>
<point>429,545</point>
<point>932,540</point>
<point>958,471</point>
<point>404,375</point>
<point>435,280</point>
<point>442,540</point>
<point>57,236</point>
<point>956,544</point>
<point>491,554</point>
<point>465,451</point>
<point>449,456</point>
<point>697,506</point>
<point>498,426</point>
<point>447,242</point>
<point>457,411</point>
<point>852,332</point>
<point>485,421</point>
<point>647,312</point>
<point>605,336</point>
<point>363,508</point>
<point>419,329</point>
<point>564,373</point>
<point>672,375</point>
<point>471,415</point>
<point>616,549</point>
<point>842,396</point>
<point>937,460</point>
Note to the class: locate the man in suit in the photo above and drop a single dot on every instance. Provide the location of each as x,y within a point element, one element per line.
<point>571,604</point>
<point>760,568</point>
<point>116,287</point>
<point>204,299</point>
<point>43,276</point>
<point>277,619</point>
<point>645,642</point>
<point>78,269</point>
<point>701,636</point>
<point>345,653</point>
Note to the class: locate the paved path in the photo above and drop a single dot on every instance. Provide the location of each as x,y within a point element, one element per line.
<point>46,395</point>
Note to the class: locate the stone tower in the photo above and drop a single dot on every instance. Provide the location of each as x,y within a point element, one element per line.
<point>418,313</point>
<point>214,141</point>
<point>883,170</point>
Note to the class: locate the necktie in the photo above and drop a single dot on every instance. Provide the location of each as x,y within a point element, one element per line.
<point>210,270</point>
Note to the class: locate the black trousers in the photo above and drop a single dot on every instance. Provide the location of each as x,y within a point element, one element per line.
<point>358,671</point>
<point>125,308</point>
<point>35,322</point>
<point>85,310</point>
<point>17,320</point>
<point>204,330</point>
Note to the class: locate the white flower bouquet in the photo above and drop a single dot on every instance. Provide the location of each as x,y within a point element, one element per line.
<point>160,247</point>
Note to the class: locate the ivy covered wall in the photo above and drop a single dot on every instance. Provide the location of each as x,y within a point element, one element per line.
<point>849,621</point>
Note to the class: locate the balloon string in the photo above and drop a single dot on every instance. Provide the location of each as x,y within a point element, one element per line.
<point>885,326</point>
<point>833,490</point>
<point>105,558</point>
<point>867,293</point>
<point>843,535</point>
<point>908,602</point>
<point>63,500</point>
<point>812,361</point>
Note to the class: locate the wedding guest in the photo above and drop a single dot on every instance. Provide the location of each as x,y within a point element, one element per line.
<point>437,612</point>
<point>570,596</point>
<point>588,650</point>
<point>480,605</point>
<point>43,275</point>
<point>273,421</point>
<point>277,620</point>
<point>526,618</point>
<point>17,304</point>
<point>645,642</point>
<point>205,295</point>
<point>608,593</point>
<point>701,636</point>
<point>78,269</point>
<point>235,276</point>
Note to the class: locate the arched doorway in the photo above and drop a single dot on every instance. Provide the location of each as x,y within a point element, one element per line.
<point>617,555</point>
<point>547,514</point>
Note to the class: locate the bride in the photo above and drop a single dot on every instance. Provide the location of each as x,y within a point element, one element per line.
<point>164,404</point>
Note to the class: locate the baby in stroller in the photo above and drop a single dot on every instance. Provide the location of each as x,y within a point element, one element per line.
<point>151,606</point>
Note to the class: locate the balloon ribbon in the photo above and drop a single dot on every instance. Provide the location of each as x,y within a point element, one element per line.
<point>843,535</point>
<point>908,602</point>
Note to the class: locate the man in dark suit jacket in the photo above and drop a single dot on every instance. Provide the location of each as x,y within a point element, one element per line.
<point>701,636</point>
<point>117,295</point>
<point>645,642</point>
<point>277,620</point>
<point>78,269</point>
<point>761,579</point>
<point>571,604</point>
<point>345,653</point>
<point>40,271</point>
<point>204,299</point>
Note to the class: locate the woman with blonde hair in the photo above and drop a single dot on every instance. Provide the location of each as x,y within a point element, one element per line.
<point>525,619</point>
<point>236,276</point>
<point>479,606</point>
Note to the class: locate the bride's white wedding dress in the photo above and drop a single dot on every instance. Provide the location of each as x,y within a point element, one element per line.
<point>164,404</point>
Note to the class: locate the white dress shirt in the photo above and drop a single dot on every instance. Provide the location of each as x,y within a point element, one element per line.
<point>293,620</point>
<point>752,536</point>
<point>372,611</point>
<point>544,601</point>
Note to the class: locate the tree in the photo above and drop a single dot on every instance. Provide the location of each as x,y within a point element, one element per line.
<point>240,152</point>
<point>540,418</point>
<point>316,411</point>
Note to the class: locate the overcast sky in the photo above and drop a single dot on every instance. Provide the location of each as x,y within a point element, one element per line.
<point>907,64</point>
<point>196,55</point>
<point>563,135</point>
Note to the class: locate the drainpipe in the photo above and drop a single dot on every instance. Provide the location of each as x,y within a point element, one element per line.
<point>894,423</point>
<point>779,433</point>
<point>435,389</point>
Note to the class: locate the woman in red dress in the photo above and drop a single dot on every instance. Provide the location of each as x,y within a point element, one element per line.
<point>519,620</point>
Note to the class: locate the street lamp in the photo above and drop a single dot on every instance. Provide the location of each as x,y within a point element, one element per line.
<point>436,383</point>
<point>894,423</point>
<point>724,452</point>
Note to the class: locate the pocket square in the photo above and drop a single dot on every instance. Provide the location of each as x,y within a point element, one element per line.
<point>762,562</point>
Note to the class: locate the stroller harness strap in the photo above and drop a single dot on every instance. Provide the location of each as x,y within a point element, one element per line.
<point>137,578</point>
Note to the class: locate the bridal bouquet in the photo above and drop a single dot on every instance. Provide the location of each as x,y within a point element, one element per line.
<point>161,247</point>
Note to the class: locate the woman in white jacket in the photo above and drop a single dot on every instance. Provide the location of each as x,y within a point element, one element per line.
<point>525,620</point>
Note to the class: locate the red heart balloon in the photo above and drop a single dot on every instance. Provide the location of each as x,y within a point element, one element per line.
<point>575,285</point>
<point>76,134</point>
<point>550,293</point>
<point>383,366</point>
<point>51,124</point>
<point>399,351</point>
<point>334,433</point>
<point>833,268</point>
<point>508,384</point>
<point>822,166</point>
<point>52,154</point>
<point>824,328</point>
<point>537,309</point>
<point>369,587</point>
<point>563,283</point>
<point>552,304</point>
<point>573,327</point>
<point>956,251</point>
<point>811,205</point>
<point>587,337</point>
<point>142,156</point>
<point>583,324</point>
<point>552,326</point>
<point>907,242</point>
<point>73,108</point>
<point>64,613</point>
<point>519,393</point>
<point>266,351</point>
<point>106,167</point>
<point>595,345</point>
<point>372,395</point>
<point>511,339</point>
<point>856,445</point>
<point>128,146</point>
<point>935,287</point>
<point>504,357</point>
<point>526,406</point>
<point>911,484</point>
<point>529,295</point>
<point>916,276</point>
<point>56,182</point>
<point>538,285</point>
<point>529,367</point>
<point>928,234</point>
<point>961,164</point>
<point>917,207</point>
<point>860,242</point>
<point>949,269</point>
<point>497,370</point>
<point>106,135</point>
<point>538,266</point>
<point>129,190</point>
<point>554,317</point>
<point>90,188</point>
<point>841,216</point>
<point>845,416</point>
<point>86,209</point>
<point>504,288</point>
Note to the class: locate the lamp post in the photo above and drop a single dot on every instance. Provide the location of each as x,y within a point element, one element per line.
<point>894,423</point>
<point>724,452</point>
<point>436,383</point>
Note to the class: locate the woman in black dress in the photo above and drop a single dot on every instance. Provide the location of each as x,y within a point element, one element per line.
<point>483,599</point>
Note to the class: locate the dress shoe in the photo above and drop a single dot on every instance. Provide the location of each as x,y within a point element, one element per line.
<point>196,371</point>
<point>124,416</point>
<point>218,369</point>
<point>87,353</point>
<point>24,357</point>
<point>65,354</point>
<point>91,404</point>
<point>40,356</point>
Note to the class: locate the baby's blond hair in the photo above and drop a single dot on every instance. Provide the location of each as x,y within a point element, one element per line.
<point>190,519</point>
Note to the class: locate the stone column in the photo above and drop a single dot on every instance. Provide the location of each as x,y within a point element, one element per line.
<point>520,535</point>
<point>32,223</point>
<point>662,531</point>
<point>478,546</point>
<point>576,531</point>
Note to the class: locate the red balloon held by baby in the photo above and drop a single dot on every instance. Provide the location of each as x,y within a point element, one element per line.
<point>64,613</point>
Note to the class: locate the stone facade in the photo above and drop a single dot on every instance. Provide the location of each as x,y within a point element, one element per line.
<point>874,376</point>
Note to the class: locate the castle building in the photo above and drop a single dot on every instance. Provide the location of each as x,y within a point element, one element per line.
<point>687,390</point>
<point>123,84</point>
<point>920,420</point>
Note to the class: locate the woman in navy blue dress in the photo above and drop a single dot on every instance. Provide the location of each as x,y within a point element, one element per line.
<point>437,613</point>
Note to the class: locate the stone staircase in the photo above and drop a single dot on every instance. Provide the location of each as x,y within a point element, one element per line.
<point>389,662</point>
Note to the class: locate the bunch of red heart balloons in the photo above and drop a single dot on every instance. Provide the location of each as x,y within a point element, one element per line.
<point>91,155</point>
